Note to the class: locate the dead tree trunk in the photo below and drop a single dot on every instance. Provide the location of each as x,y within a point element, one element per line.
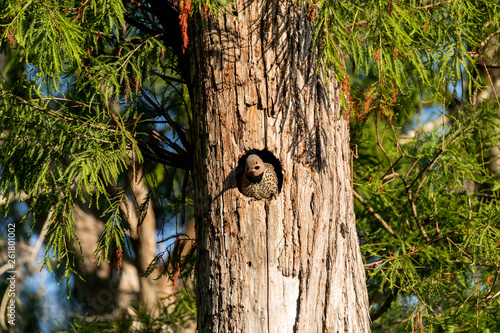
<point>291,263</point>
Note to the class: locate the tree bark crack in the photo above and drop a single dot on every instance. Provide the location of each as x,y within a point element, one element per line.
<point>267,272</point>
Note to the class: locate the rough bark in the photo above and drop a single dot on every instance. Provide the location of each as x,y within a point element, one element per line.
<point>292,263</point>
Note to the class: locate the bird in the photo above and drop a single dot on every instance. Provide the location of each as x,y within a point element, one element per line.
<point>259,179</point>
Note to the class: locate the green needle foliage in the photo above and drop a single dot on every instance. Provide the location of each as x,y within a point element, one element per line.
<point>409,45</point>
<point>81,120</point>
<point>177,315</point>
<point>433,244</point>
<point>106,93</point>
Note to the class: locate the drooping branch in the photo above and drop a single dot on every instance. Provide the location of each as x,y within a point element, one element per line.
<point>434,4</point>
<point>55,114</point>
<point>410,253</point>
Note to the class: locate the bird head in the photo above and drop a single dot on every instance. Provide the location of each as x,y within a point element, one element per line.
<point>254,166</point>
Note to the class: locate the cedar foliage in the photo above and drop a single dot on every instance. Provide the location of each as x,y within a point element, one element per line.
<point>106,77</point>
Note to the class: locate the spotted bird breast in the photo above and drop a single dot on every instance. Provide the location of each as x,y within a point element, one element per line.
<point>263,188</point>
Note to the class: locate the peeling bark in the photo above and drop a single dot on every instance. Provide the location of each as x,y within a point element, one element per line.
<point>286,264</point>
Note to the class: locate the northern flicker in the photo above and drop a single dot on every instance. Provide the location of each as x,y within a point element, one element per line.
<point>259,179</point>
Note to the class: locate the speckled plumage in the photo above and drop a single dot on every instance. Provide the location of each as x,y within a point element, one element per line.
<point>259,179</point>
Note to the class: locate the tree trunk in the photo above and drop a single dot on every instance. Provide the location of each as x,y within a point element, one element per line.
<point>103,291</point>
<point>291,263</point>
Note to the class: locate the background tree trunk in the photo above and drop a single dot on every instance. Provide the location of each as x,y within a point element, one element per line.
<point>292,263</point>
<point>104,291</point>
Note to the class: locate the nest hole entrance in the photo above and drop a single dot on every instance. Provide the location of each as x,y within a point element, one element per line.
<point>267,157</point>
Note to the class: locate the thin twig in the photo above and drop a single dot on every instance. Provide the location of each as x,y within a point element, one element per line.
<point>134,50</point>
<point>411,252</point>
<point>458,247</point>
<point>374,214</point>
<point>166,77</point>
<point>427,170</point>
<point>397,140</point>
<point>391,168</point>
<point>492,296</point>
<point>411,168</point>
<point>487,297</point>
<point>77,135</point>
<point>492,85</point>
<point>472,293</point>
<point>483,43</point>
<point>359,23</point>
<point>415,215</point>
<point>54,114</point>
<point>65,100</point>
<point>444,100</point>
<point>434,4</point>
<point>379,144</point>
<point>160,136</point>
<point>438,231</point>
<point>426,167</point>
<point>422,7</point>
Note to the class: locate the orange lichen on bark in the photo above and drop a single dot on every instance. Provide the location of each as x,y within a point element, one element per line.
<point>207,10</point>
<point>184,13</point>
<point>311,11</point>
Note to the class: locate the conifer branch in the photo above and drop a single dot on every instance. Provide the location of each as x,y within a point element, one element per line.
<point>410,253</point>
<point>167,78</point>
<point>434,4</point>
<point>170,121</point>
<point>487,39</point>
<point>54,114</point>
<point>163,156</point>
<point>419,8</point>
<point>52,98</point>
<point>135,50</point>
<point>141,26</point>
<point>77,134</point>
<point>492,85</point>
<point>161,137</point>
<point>425,169</point>
<point>411,199</point>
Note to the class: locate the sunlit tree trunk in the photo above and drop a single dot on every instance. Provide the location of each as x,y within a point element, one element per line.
<point>292,263</point>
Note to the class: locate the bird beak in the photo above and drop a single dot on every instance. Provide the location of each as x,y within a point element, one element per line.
<point>253,171</point>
